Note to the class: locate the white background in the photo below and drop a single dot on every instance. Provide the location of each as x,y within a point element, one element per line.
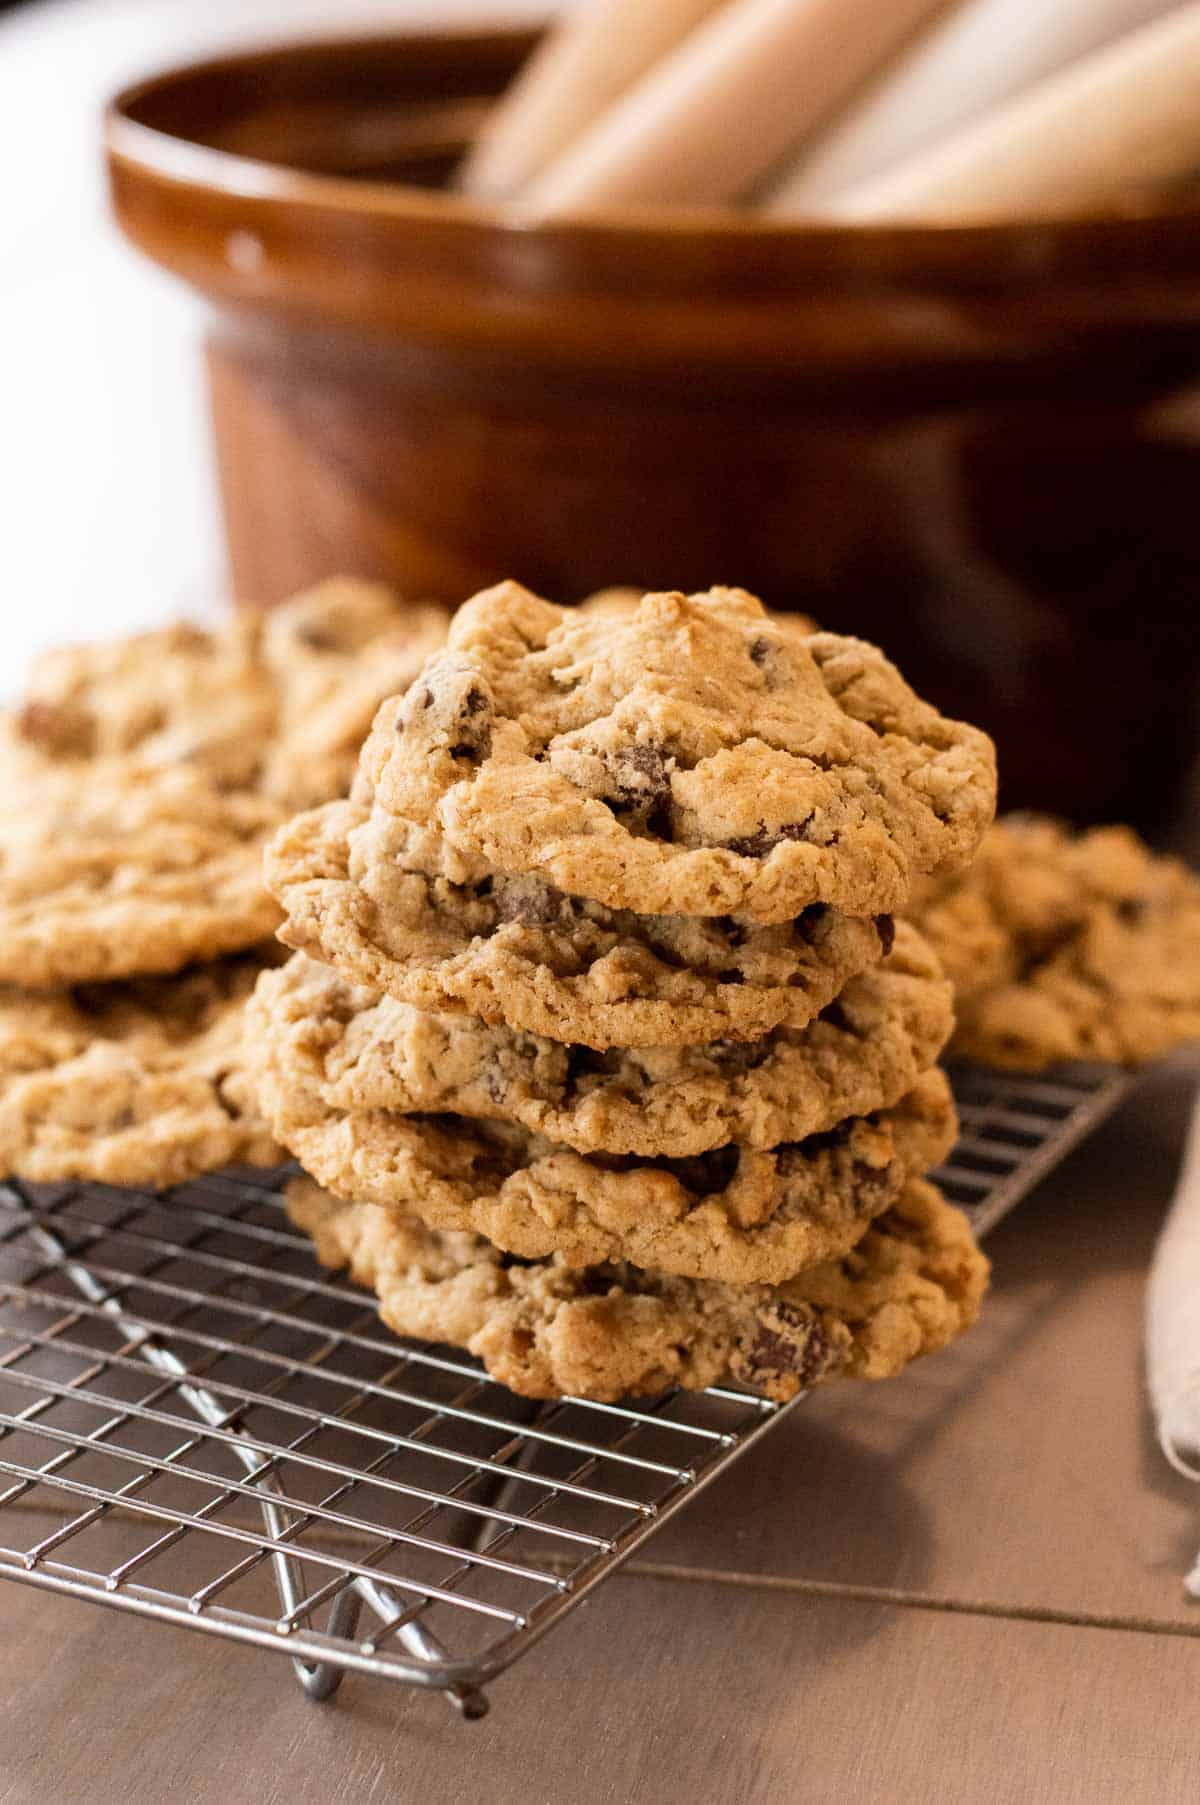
<point>109,516</point>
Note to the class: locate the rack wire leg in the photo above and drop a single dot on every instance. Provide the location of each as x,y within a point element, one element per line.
<point>319,1680</point>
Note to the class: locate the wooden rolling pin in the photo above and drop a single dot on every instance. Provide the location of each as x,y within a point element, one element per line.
<point>976,56</point>
<point>718,112</point>
<point>598,51</point>
<point>1122,123</point>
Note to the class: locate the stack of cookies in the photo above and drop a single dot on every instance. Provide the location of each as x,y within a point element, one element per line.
<point>144,776</point>
<point>602,1042</point>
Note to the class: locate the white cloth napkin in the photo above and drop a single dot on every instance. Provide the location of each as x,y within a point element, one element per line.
<point>1173,1327</point>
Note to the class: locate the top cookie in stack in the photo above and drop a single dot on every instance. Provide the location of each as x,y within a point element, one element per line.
<point>641,866</point>
<point>638,829</point>
<point>691,758</point>
<point>144,775</point>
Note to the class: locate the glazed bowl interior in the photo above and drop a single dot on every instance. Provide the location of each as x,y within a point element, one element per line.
<point>383,110</point>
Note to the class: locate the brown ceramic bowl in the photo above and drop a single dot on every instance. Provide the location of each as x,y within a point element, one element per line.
<point>953,441</point>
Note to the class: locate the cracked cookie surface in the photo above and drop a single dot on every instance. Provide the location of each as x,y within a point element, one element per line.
<point>911,1285</point>
<point>325,1047</point>
<point>131,1084</point>
<point>363,891</point>
<point>740,1214</point>
<point>690,757</point>
<point>1065,945</point>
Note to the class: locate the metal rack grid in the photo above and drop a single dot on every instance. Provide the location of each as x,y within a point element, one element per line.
<point>1015,1129</point>
<point>198,1426</point>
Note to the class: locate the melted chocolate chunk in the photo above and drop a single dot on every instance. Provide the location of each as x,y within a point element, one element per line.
<point>641,788</point>
<point>787,1341</point>
<point>473,726</point>
<point>639,771</point>
<point>757,846</point>
<point>885,927</point>
<point>528,900</point>
<point>874,1186</point>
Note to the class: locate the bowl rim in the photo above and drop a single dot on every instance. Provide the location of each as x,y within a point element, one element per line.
<point>159,153</point>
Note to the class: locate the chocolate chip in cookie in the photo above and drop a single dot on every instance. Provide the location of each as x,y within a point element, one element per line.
<point>640,791</point>
<point>449,711</point>
<point>758,845</point>
<point>787,1340</point>
<point>528,900</point>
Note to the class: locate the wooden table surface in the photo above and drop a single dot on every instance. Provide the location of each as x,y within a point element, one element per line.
<point>963,1586</point>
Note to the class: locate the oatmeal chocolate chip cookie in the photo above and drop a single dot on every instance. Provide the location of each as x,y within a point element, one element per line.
<point>326,1047</point>
<point>1065,945</point>
<point>130,1084</point>
<point>691,758</point>
<point>279,701</point>
<point>911,1285</point>
<point>735,1213</point>
<point>332,656</point>
<point>180,694</point>
<point>134,870</point>
<point>357,891</point>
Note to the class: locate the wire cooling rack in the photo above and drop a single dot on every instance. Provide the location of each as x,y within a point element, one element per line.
<point>1015,1129</point>
<point>197,1425</point>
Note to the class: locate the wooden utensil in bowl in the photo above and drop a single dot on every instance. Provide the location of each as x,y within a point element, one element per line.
<point>943,438</point>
